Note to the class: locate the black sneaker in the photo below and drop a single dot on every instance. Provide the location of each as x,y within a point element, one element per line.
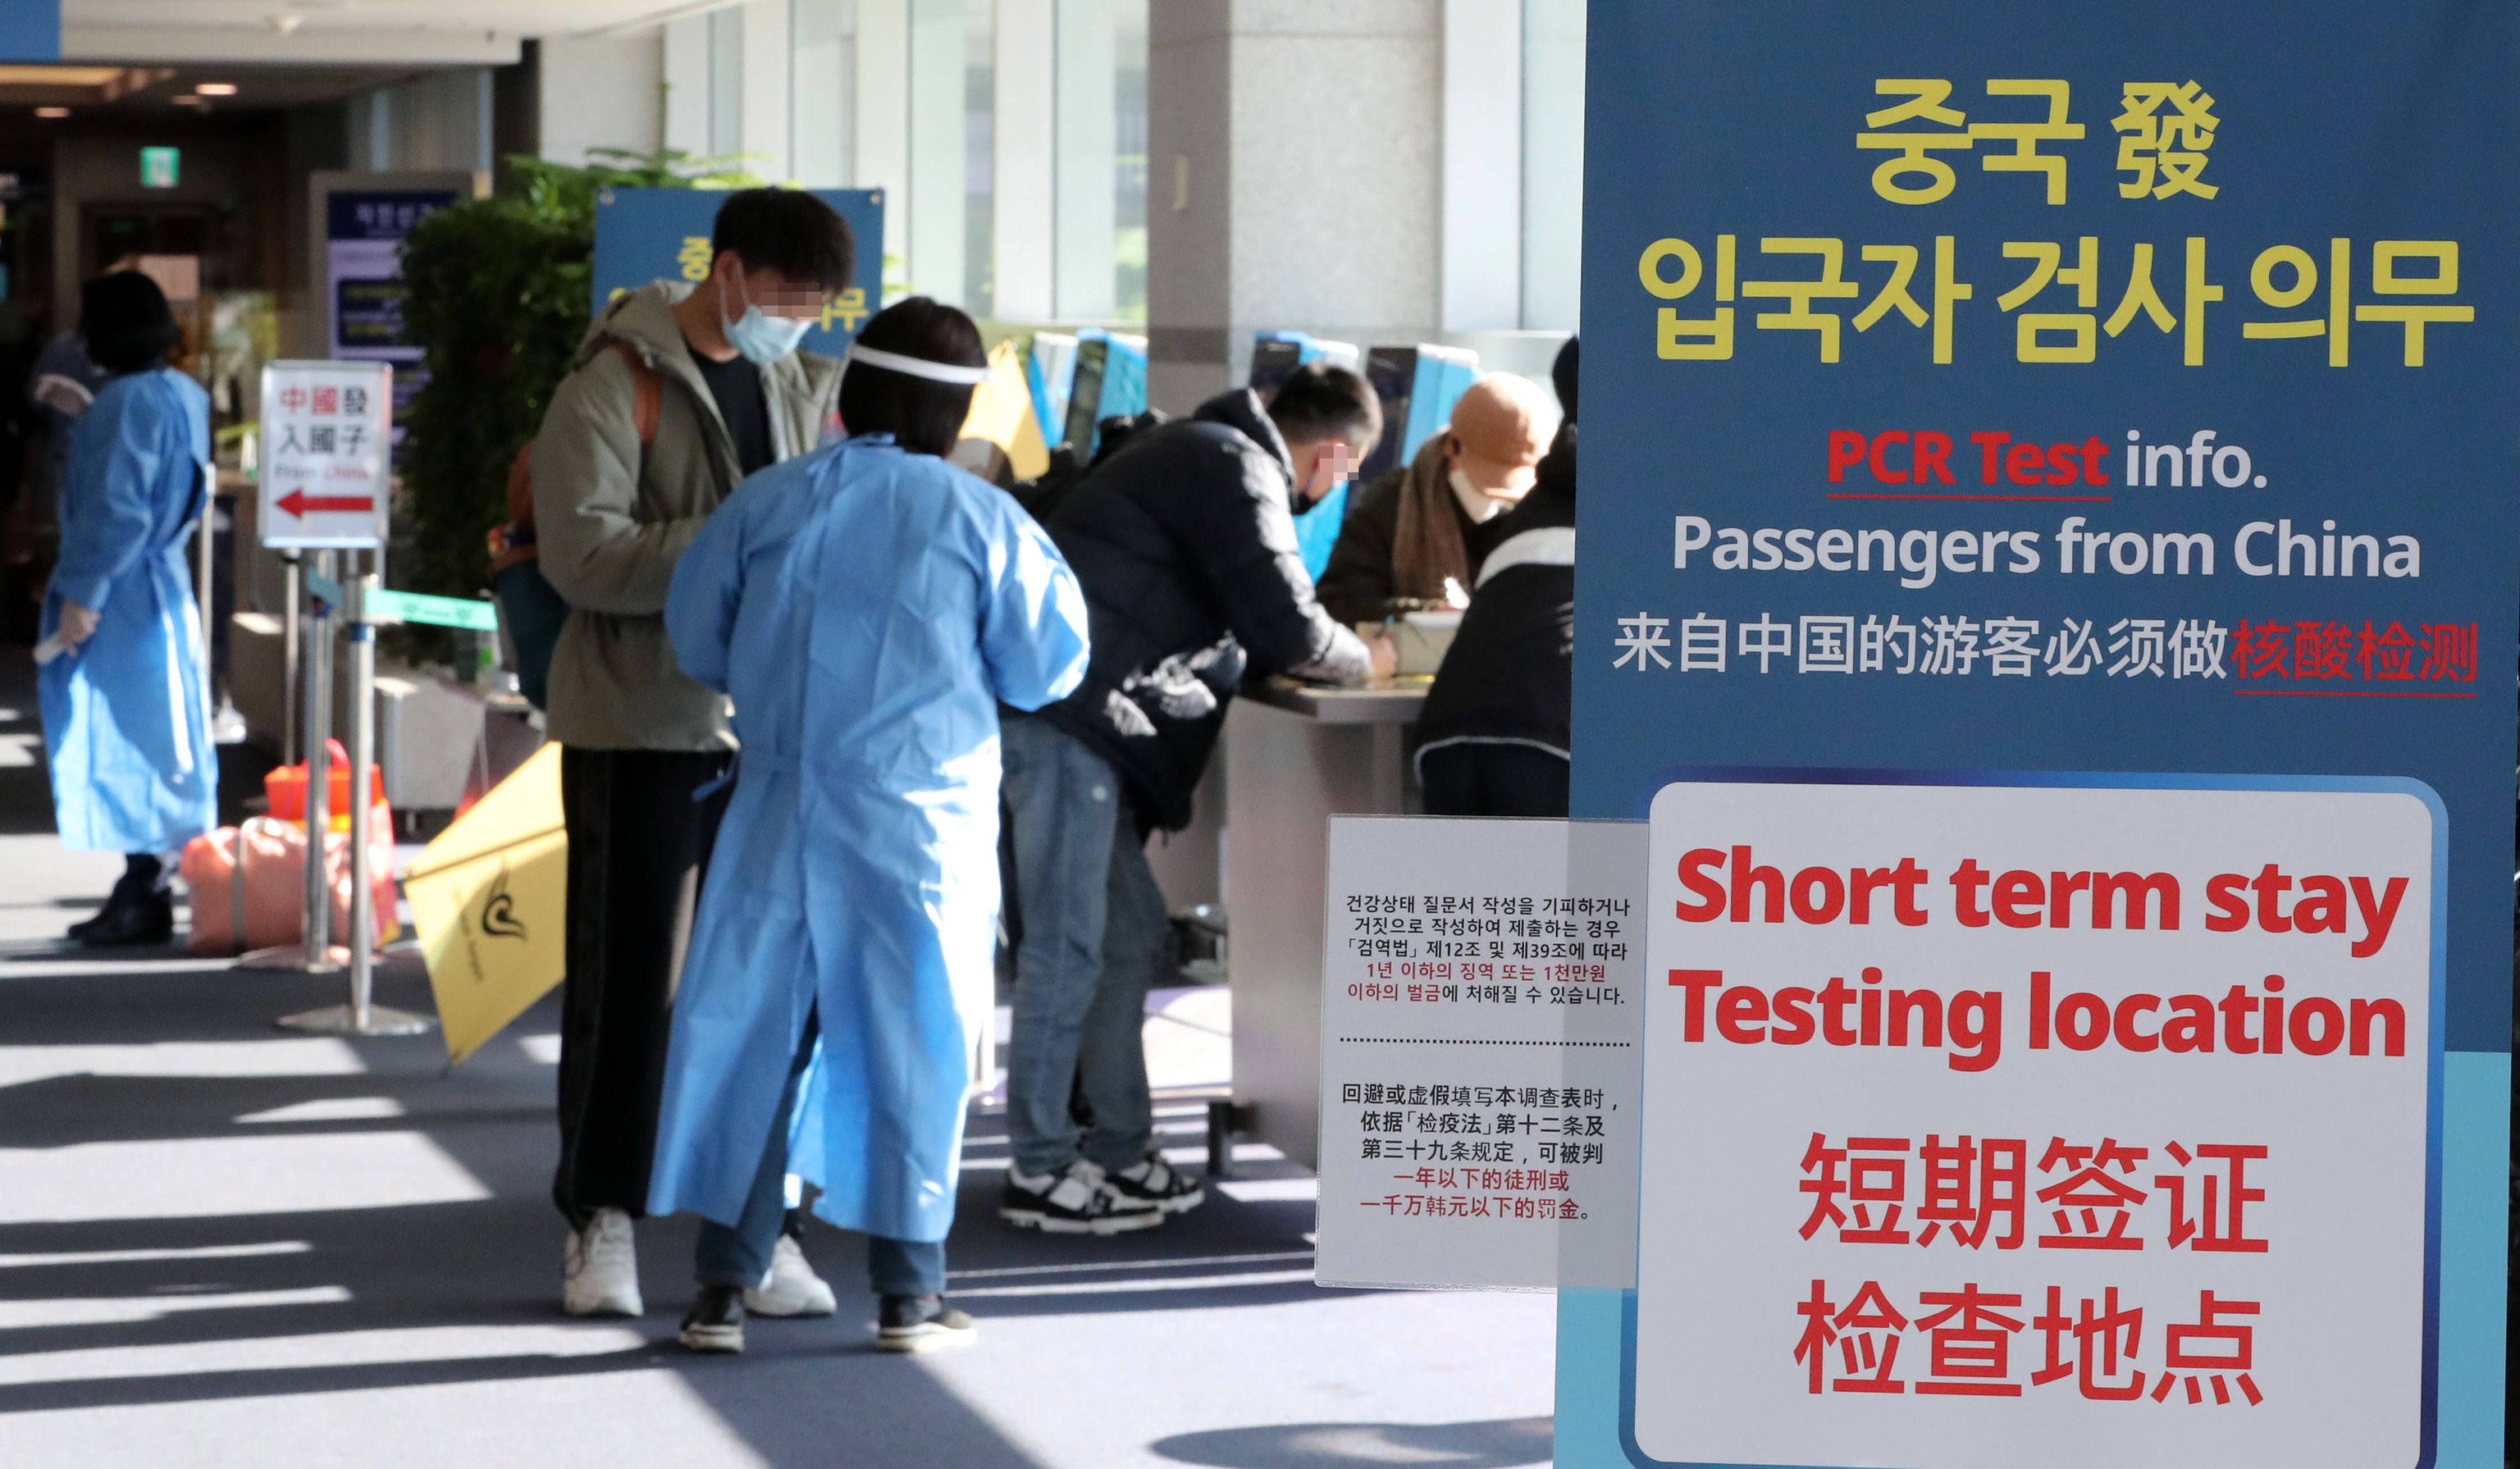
<point>1151,1182</point>
<point>1079,1201</point>
<point>923,1324</point>
<point>715,1322</point>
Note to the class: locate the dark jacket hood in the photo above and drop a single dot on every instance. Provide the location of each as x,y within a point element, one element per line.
<point>1239,410</point>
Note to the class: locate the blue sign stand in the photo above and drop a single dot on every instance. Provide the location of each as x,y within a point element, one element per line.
<point>644,235</point>
<point>1982,391</point>
<point>30,30</point>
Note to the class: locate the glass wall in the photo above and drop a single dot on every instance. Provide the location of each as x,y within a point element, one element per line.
<point>943,183</point>
<point>726,83</point>
<point>1099,84</point>
<point>979,135</point>
<point>939,185</point>
<point>1553,163</point>
<point>906,95</point>
<point>823,47</point>
<point>1129,160</point>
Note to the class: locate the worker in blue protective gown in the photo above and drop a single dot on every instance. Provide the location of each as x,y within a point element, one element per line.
<point>126,716</point>
<point>867,607</point>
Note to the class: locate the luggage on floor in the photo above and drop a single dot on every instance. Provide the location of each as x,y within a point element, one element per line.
<point>268,909</point>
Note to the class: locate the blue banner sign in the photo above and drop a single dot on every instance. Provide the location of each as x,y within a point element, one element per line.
<point>644,235</point>
<point>30,30</point>
<point>2050,589</point>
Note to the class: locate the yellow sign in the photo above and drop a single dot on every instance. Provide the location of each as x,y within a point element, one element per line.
<point>694,257</point>
<point>1002,413</point>
<point>848,309</point>
<point>490,898</point>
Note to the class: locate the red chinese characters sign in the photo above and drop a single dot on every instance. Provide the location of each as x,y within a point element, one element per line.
<point>1994,1117</point>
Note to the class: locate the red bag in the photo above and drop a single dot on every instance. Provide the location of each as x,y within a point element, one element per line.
<point>268,907</point>
<point>284,791</point>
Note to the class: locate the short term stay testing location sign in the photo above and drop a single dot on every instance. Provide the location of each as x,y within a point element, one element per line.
<point>2049,586</point>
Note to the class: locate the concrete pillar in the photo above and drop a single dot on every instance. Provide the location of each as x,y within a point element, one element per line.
<point>1296,179</point>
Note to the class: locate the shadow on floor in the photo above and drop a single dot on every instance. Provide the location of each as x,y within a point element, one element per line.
<point>180,1287</point>
<point>1497,1444</point>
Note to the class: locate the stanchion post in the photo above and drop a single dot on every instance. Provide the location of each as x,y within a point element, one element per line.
<point>363,763</point>
<point>362,1017</point>
<point>205,555</point>
<point>318,656</point>
<point>289,654</point>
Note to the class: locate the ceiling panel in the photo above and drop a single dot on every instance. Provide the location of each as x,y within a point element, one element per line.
<point>335,32</point>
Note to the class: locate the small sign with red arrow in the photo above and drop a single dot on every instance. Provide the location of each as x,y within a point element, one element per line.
<point>301,504</point>
<point>327,444</point>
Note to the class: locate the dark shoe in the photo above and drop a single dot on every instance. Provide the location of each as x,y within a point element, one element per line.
<point>923,1324</point>
<point>715,1322</point>
<point>149,919</point>
<point>1079,1201</point>
<point>128,890</point>
<point>1153,1183</point>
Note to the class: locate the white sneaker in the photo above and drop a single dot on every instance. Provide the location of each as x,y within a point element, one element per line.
<point>601,1269</point>
<point>791,1288</point>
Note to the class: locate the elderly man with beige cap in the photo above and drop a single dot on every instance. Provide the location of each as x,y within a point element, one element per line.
<point>1417,536</point>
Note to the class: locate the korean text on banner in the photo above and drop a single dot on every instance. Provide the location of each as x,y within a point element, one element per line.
<point>1481,1004</point>
<point>644,235</point>
<point>2053,591</point>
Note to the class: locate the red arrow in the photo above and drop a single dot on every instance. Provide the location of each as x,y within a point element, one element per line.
<point>301,504</point>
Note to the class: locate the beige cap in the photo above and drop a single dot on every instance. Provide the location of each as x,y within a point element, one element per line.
<point>1500,427</point>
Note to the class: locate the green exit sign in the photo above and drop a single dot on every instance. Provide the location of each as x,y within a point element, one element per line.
<point>159,167</point>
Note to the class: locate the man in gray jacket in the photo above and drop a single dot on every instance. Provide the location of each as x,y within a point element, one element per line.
<point>644,749</point>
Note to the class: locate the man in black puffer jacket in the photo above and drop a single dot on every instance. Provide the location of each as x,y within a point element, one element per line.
<point>1184,543</point>
<point>1496,726</point>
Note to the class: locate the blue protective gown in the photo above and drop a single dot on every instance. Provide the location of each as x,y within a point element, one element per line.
<point>126,714</point>
<point>867,609</point>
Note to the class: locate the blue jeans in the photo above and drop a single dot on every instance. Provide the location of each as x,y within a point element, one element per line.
<point>1094,924</point>
<point>740,1255</point>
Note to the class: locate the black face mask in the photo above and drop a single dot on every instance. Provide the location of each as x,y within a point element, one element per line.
<point>1296,504</point>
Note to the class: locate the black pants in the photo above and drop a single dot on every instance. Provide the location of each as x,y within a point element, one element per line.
<point>637,848</point>
<point>1473,778</point>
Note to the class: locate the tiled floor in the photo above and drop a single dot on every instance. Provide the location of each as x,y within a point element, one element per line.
<point>223,1244</point>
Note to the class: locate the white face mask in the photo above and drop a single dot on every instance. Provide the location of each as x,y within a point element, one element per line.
<point>1481,506</point>
<point>761,338</point>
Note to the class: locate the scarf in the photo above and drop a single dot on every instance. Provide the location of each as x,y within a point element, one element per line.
<point>1426,544</point>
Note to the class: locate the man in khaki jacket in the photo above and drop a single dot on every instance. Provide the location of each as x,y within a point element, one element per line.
<point>645,750</point>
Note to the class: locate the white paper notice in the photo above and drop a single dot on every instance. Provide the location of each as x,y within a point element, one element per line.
<point>1481,1000</point>
<point>327,446</point>
<point>1993,1125</point>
